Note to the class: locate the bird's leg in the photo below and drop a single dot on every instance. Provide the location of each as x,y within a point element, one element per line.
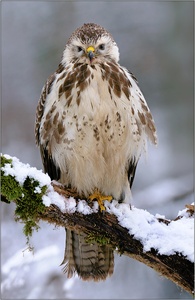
<point>100,198</point>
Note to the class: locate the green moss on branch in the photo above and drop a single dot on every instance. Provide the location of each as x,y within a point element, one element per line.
<point>28,202</point>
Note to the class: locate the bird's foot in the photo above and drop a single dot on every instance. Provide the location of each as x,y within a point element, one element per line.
<point>100,198</point>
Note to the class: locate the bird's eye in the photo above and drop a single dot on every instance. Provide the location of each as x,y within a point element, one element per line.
<point>79,49</point>
<point>101,47</point>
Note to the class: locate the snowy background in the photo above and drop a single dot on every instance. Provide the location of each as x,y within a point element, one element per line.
<point>156,44</point>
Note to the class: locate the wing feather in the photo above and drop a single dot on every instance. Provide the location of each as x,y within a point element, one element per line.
<point>131,171</point>
<point>140,108</point>
<point>49,165</point>
<point>41,106</point>
<point>141,118</point>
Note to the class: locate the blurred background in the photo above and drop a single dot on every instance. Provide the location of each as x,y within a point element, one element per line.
<point>155,39</point>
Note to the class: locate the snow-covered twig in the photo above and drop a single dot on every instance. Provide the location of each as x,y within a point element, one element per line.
<point>164,245</point>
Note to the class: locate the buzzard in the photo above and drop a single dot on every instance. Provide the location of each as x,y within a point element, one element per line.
<point>92,124</point>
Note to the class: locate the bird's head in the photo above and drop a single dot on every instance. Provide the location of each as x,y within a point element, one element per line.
<point>90,44</point>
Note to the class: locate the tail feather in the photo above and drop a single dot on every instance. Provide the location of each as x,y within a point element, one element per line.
<point>89,261</point>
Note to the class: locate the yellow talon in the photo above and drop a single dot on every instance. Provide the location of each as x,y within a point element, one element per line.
<point>100,198</point>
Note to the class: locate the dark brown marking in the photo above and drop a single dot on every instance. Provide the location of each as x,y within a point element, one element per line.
<point>126,91</point>
<point>53,108</point>
<point>61,91</point>
<point>77,64</point>
<point>111,136</point>
<point>83,68</point>
<point>103,74</point>
<point>148,115</point>
<point>67,141</point>
<point>118,117</point>
<point>61,128</point>
<point>81,77</point>
<point>78,100</point>
<point>69,101</point>
<point>117,89</point>
<point>114,67</point>
<point>144,106</point>
<point>142,117</point>
<point>50,82</point>
<point>82,85</point>
<point>93,67</point>
<point>55,119</point>
<point>68,93</point>
<point>60,68</point>
<point>151,125</point>
<point>114,76</point>
<point>47,125</point>
<point>96,132</point>
<point>106,120</point>
<point>48,115</point>
<point>67,86</point>
<point>57,136</point>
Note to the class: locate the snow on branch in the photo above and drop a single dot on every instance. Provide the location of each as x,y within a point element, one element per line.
<point>164,245</point>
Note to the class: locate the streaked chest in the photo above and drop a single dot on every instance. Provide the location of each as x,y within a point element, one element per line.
<point>88,106</point>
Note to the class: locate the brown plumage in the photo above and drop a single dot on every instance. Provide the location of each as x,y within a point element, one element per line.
<point>92,125</point>
<point>90,261</point>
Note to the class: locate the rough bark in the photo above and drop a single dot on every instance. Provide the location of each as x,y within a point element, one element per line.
<point>105,226</point>
<point>174,267</point>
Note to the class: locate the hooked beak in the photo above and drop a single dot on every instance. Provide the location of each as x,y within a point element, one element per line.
<point>91,53</point>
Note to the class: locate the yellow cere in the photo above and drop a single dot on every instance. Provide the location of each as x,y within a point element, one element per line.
<point>90,48</point>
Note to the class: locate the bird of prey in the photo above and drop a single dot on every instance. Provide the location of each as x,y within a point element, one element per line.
<point>92,124</point>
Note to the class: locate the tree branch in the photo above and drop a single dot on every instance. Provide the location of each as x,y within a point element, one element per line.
<point>99,226</point>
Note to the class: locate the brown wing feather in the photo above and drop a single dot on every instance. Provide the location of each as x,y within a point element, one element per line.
<point>49,166</point>
<point>48,163</point>
<point>140,109</point>
<point>41,106</point>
